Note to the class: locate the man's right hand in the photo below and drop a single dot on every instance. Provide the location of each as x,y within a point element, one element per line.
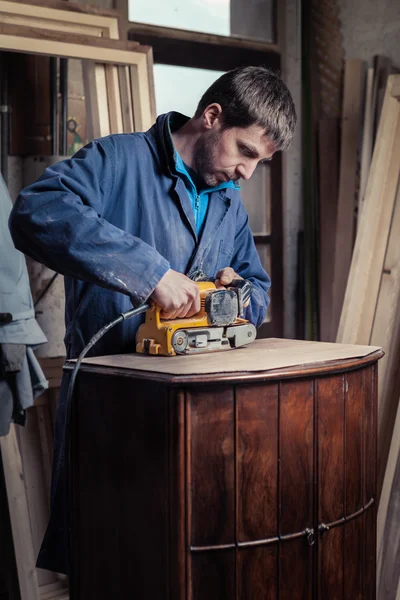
<point>177,295</point>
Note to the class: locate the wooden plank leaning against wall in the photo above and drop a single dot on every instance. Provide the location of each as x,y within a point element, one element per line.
<point>370,315</point>
<point>27,452</point>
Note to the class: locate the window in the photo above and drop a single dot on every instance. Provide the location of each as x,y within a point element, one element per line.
<point>252,20</point>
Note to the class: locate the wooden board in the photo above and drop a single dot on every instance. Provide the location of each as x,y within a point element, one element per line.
<point>19,516</point>
<point>328,200</point>
<point>261,355</point>
<point>370,315</point>
<point>348,181</point>
<point>368,140</point>
<point>369,252</point>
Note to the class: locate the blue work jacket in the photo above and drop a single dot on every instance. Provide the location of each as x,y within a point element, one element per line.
<point>113,219</point>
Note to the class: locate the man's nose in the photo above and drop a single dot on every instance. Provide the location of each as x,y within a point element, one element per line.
<point>246,170</point>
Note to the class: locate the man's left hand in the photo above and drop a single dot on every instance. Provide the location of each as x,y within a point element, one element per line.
<point>225,277</point>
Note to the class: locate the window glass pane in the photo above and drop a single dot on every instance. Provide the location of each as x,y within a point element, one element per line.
<point>180,88</point>
<point>253,20</point>
<point>256,194</point>
<point>209,16</point>
<point>264,252</point>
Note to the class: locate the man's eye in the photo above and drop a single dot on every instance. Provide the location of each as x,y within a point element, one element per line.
<point>246,152</point>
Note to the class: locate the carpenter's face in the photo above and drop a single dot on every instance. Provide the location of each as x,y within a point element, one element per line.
<point>231,154</point>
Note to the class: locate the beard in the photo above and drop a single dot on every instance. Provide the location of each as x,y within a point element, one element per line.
<point>205,158</point>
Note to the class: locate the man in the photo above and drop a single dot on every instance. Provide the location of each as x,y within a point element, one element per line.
<point>133,216</point>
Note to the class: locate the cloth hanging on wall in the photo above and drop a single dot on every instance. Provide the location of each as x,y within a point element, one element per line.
<point>21,377</point>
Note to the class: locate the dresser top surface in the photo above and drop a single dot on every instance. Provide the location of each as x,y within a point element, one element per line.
<point>265,355</point>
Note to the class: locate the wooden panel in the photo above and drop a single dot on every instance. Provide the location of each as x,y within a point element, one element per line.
<point>328,146</point>
<point>353,559</point>
<point>126,99</point>
<point>369,435</point>
<point>330,564</point>
<point>257,573</point>
<point>386,331</point>
<point>213,576</point>
<point>295,570</point>
<point>257,461</point>
<point>354,400</point>
<point>369,252</point>
<point>330,398</point>
<point>212,469</point>
<point>348,184</point>
<point>91,100</point>
<point>370,554</point>
<point>296,456</point>
<point>368,139</point>
<point>19,516</point>
<point>177,500</point>
<point>37,492</point>
<point>121,461</point>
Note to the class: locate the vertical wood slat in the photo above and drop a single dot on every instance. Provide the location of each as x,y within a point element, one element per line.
<point>257,569</point>
<point>296,456</point>
<point>91,100</point>
<point>122,470</point>
<point>328,141</point>
<point>368,139</point>
<point>213,575</point>
<point>19,516</point>
<point>295,569</point>
<point>176,497</point>
<point>330,564</point>
<point>353,567</point>
<point>330,448</point>
<point>126,99</point>
<point>348,184</point>
<point>257,458</point>
<point>136,99</point>
<point>353,442</point>
<point>212,468</point>
<point>363,285</point>
<point>386,333</point>
<point>369,448</point>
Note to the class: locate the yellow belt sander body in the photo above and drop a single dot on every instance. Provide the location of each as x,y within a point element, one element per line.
<point>218,325</point>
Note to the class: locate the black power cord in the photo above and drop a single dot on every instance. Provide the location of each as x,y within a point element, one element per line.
<point>74,595</point>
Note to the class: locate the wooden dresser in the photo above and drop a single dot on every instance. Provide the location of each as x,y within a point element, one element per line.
<point>247,474</point>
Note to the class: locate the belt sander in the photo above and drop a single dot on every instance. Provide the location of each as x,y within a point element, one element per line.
<point>217,326</point>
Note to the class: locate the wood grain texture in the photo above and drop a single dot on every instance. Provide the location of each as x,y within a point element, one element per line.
<point>353,567</point>
<point>328,157</point>
<point>19,516</point>
<point>296,456</point>
<point>353,472</point>
<point>295,570</point>
<point>257,461</point>
<point>212,467</point>
<point>331,425</point>
<point>368,139</point>
<point>330,565</point>
<point>257,569</point>
<point>199,474</point>
<point>213,576</point>
<point>122,473</point>
<point>369,252</point>
<point>348,183</point>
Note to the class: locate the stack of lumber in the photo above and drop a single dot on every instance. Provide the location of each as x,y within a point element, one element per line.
<point>119,97</point>
<point>370,313</point>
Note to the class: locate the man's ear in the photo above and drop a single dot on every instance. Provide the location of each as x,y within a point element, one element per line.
<point>212,116</point>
